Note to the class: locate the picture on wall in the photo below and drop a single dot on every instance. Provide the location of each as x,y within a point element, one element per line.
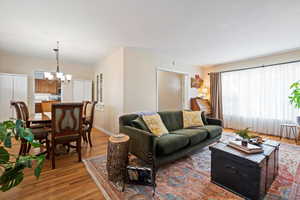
<point>196,82</point>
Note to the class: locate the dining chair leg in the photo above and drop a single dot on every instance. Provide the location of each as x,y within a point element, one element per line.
<point>47,148</point>
<point>53,154</point>
<point>89,137</point>
<point>24,149</point>
<point>28,148</point>
<point>78,148</point>
<point>21,149</point>
<point>84,136</point>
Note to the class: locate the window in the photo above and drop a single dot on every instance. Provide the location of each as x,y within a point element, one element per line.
<point>258,98</point>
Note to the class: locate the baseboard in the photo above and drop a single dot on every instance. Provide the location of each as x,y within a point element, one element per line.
<point>103,130</point>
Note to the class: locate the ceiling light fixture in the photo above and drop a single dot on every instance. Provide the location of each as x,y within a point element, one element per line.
<point>58,75</point>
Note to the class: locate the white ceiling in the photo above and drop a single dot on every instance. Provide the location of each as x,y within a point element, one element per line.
<point>192,31</point>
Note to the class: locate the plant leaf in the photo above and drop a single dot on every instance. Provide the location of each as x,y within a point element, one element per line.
<point>4,155</point>
<point>26,134</point>
<point>35,143</point>
<point>11,177</point>
<point>40,162</point>
<point>7,140</point>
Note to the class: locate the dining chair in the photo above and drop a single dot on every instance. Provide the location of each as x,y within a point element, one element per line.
<point>25,116</point>
<point>23,147</point>
<point>89,120</point>
<point>84,107</point>
<point>40,133</point>
<point>66,127</point>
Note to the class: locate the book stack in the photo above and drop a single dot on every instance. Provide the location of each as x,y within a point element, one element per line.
<point>250,148</point>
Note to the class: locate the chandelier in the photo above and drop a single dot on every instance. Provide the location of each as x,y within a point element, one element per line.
<point>58,75</point>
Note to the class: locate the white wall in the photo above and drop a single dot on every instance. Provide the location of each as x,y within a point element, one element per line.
<point>17,64</point>
<point>129,83</point>
<point>112,68</point>
<point>140,77</point>
<point>170,90</point>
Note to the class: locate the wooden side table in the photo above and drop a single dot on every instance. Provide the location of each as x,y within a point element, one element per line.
<point>117,159</point>
<point>290,128</point>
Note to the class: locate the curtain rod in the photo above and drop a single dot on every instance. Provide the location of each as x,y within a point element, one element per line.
<point>282,63</point>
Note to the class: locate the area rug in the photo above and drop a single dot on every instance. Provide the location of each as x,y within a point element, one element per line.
<point>189,179</point>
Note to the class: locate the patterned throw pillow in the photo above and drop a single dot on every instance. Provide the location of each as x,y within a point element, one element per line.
<point>155,124</point>
<point>192,119</point>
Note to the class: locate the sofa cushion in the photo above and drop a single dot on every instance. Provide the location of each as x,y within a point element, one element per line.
<point>195,135</point>
<point>172,119</point>
<point>155,124</point>
<point>192,118</point>
<point>213,130</point>
<point>140,124</point>
<point>170,143</point>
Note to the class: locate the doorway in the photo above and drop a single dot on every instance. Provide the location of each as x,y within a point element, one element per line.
<point>171,90</point>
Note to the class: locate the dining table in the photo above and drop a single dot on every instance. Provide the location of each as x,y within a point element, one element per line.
<point>40,117</point>
<point>44,117</point>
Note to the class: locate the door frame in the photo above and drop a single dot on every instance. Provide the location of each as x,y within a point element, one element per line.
<point>186,86</point>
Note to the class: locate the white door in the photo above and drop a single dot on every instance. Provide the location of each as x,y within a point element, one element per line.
<point>87,90</point>
<point>20,89</point>
<point>78,91</point>
<point>170,90</point>
<point>6,95</point>
<point>82,90</point>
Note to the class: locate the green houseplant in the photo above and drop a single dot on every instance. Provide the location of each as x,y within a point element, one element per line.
<point>12,166</point>
<point>245,135</point>
<point>295,97</point>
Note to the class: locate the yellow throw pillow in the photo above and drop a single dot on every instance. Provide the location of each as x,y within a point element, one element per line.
<point>155,124</point>
<point>192,118</point>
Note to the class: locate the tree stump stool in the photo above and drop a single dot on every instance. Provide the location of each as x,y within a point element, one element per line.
<point>117,158</point>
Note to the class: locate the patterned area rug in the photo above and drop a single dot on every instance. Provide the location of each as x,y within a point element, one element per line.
<point>189,178</point>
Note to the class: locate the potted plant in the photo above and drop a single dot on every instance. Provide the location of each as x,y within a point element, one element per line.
<point>295,97</point>
<point>244,134</point>
<point>12,166</point>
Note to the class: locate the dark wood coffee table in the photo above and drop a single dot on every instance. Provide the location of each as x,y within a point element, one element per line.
<point>248,175</point>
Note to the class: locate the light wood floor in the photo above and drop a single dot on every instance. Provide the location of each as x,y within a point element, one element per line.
<point>70,180</point>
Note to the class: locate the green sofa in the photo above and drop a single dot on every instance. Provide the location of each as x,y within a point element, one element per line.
<point>169,147</point>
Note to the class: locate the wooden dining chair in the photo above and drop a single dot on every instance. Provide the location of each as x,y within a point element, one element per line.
<point>40,133</point>
<point>66,127</point>
<point>89,120</point>
<point>84,107</point>
<point>23,147</point>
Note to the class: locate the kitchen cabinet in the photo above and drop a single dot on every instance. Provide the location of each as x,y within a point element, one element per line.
<point>46,86</point>
<point>12,88</point>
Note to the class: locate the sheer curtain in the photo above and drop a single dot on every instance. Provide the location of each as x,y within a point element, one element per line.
<point>258,98</point>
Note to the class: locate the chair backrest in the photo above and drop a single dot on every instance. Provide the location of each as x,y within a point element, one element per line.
<point>85,103</point>
<point>46,106</point>
<point>17,109</point>
<point>24,110</point>
<point>66,119</point>
<point>90,111</point>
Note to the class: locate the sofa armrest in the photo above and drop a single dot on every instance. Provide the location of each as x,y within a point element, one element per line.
<point>141,143</point>
<point>213,121</point>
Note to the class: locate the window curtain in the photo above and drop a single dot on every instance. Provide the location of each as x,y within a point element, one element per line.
<point>216,94</point>
<point>258,98</point>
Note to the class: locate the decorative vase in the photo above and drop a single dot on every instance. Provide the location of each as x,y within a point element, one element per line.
<point>244,142</point>
<point>298,120</point>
